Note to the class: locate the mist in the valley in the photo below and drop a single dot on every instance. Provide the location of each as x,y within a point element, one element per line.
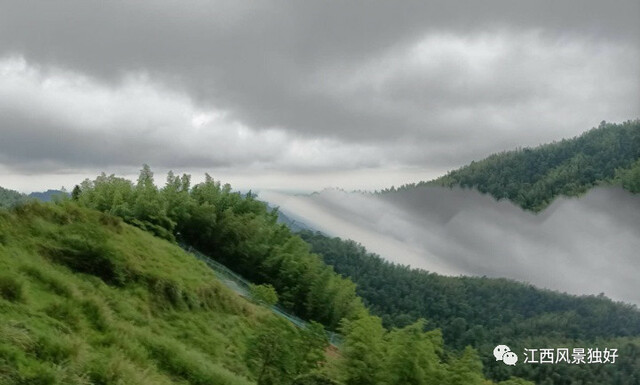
<point>586,245</point>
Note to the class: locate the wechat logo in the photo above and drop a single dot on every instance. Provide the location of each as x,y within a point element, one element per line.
<point>504,354</point>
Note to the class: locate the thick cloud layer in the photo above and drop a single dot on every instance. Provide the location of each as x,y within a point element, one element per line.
<point>586,245</point>
<point>306,86</point>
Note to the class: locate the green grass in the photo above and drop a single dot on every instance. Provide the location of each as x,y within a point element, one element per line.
<point>87,299</point>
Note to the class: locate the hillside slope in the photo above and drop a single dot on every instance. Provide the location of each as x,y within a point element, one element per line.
<point>533,177</point>
<point>87,299</point>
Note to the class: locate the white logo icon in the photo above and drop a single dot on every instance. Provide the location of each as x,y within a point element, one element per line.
<point>510,358</point>
<point>504,354</point>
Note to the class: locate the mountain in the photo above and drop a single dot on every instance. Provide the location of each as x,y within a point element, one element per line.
<point>480,312</point>
<point>534,177</point>
<point>9,198</point>
<point>48,195</point>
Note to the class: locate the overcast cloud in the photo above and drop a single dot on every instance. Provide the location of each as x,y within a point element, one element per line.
<point>301,95</point>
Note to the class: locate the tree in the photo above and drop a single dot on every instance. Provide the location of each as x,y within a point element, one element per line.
<point>264,294</point>
<point>278,352</point>
<point>75,194</point>
<point>412,356</point>
<point>149,207</point>
<point>630,179</point>
<point>271,353</point>
<point>467,370</point>
<point>362,351</point>
<point>311,347</point>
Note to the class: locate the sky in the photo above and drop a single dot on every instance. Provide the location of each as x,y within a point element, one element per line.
<point>586,245</point>
<point>298,96</point>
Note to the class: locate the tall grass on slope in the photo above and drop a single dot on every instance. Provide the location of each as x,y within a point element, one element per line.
<point>86,299</point>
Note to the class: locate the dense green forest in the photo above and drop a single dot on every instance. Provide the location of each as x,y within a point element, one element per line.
<point>88,299</point>
<point>533,177</point>
<point>482,312</point>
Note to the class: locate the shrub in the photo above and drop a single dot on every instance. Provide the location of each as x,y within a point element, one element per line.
<point>168,294</point>
<point>84,248</point>
<point>11,289</point>
<point>215,297</point>
<point>111,221</point>
<point>264,294</point>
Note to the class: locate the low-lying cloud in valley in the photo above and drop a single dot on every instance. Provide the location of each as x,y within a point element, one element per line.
<point>585,245</point>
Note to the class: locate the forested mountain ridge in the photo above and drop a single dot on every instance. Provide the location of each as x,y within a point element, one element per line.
<point>49,195</point>
<point>480,311</point>
<point>533,177</point>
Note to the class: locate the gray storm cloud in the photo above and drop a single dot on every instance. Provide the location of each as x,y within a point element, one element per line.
<point>585,245</point>
<point>308,85</point>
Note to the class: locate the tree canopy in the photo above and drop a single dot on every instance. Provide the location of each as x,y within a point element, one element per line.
<point>480,311</point>
<point>534,177</point>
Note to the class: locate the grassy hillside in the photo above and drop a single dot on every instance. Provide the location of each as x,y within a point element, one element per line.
<point>533,177</point>
<point>479,312</point>
<point>87,299</point>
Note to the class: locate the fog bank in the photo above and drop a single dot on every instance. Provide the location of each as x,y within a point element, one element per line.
<point>586,245</point>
